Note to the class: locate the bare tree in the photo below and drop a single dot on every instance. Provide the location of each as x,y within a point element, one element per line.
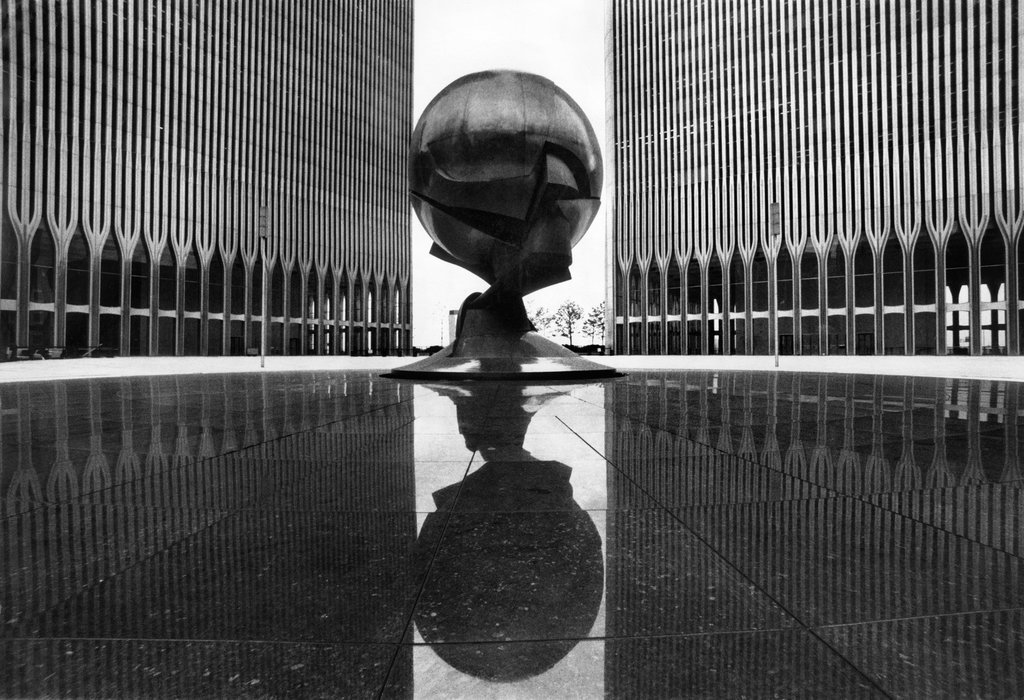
<point>539,316</point>
<point>594,323</point>
<point>566,318</point>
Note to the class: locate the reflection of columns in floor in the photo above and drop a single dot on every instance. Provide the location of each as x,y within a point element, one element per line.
<point>945,442</point>
<point>145,479</point>
<point>814,432</point>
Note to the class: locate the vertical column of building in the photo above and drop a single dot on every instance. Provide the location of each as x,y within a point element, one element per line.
<point>8,139</point>
<point>358,230</point>
<point>702,245</point>
<point>320,251</point>
<point>881,173</point>
<point>202,181</point>
<point>672,311</point>
<point>141,144</point>
<point>248,201</point>
<point>171,133</point>
<point>813,311</point>
<point>267,18</point>
<point>1008,150</point>
<point>747,152</point>
<point>286,124</point>
<point>727,166</point>
<point>973,195</point>
<point>685,239</point>
<point>799,179</point>
<point>761,196</point>
<point>403,106</point>
<point>776,52</point>
<point>626,210</point>
<point>303,178</point>
<point>269,181</point>
<point>125,41</point>
<point>868,176</point>
<point>97,155</point>
<point>207,235</point>
<point>613,181</point>
<point>622,208</point>
<point>336,229</point>
<point>63,161</point>
<point>347,254</point>
<point>187,302</point>
<point>378,186</point>
<point>377,183</point>
<point>825,220</point>
<point>183,128</point>
<point>657,228</point>
<point>906,189</point>
<point>724,239</point>
<point>225,245</point>
<point>940,208</point>
<point>305,182</point>
<point>25,163</point>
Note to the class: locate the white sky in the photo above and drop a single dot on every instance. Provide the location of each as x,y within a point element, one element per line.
<point>560,39</point>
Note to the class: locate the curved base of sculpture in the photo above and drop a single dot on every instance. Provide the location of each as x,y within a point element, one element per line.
<point>530,357</point>
<point>496,344</point>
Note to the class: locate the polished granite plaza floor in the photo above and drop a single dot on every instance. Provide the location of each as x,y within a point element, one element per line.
<point>666,534</point>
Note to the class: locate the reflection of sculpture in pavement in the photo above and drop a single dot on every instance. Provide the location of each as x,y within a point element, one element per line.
<point>519,559</point>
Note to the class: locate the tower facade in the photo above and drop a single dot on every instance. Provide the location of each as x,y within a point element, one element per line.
<point>848,173</point>
<point>174,174</point>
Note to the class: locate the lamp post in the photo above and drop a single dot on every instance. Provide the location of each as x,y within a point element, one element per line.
<point>775,223</point>
<point>264,230</point>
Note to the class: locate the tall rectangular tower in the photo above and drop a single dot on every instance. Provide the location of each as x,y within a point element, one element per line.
<point>888,136</point>
<point>167,166</point>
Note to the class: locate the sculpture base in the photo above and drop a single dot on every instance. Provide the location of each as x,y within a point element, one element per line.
<point>490,345</point>
<point>529,357</point>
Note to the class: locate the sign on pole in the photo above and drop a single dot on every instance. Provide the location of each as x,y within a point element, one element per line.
<point>264,222</point>
<point>775,218</point>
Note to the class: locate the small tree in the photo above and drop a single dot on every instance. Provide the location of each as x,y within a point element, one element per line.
<point>566,318</point>
<point>594,323</point>
<point>539,317</point>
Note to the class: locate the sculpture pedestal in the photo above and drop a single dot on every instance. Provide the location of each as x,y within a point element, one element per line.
<point>490,346</point>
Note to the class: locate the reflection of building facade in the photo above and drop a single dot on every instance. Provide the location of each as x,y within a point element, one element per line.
<point>890,136</point>
<point>955,440</point>
<point>141,141</point>
<point>227,498</point>
<point>844,502</point>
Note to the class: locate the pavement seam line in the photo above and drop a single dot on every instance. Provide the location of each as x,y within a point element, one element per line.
<point>745,577</point>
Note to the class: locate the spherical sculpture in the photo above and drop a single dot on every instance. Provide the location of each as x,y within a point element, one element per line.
<point>505,175</point>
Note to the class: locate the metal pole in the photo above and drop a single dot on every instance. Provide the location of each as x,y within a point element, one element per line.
<point>263,326</point>
<point>264,236</point>
<point>775,221</point>
<point>776,266</point>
